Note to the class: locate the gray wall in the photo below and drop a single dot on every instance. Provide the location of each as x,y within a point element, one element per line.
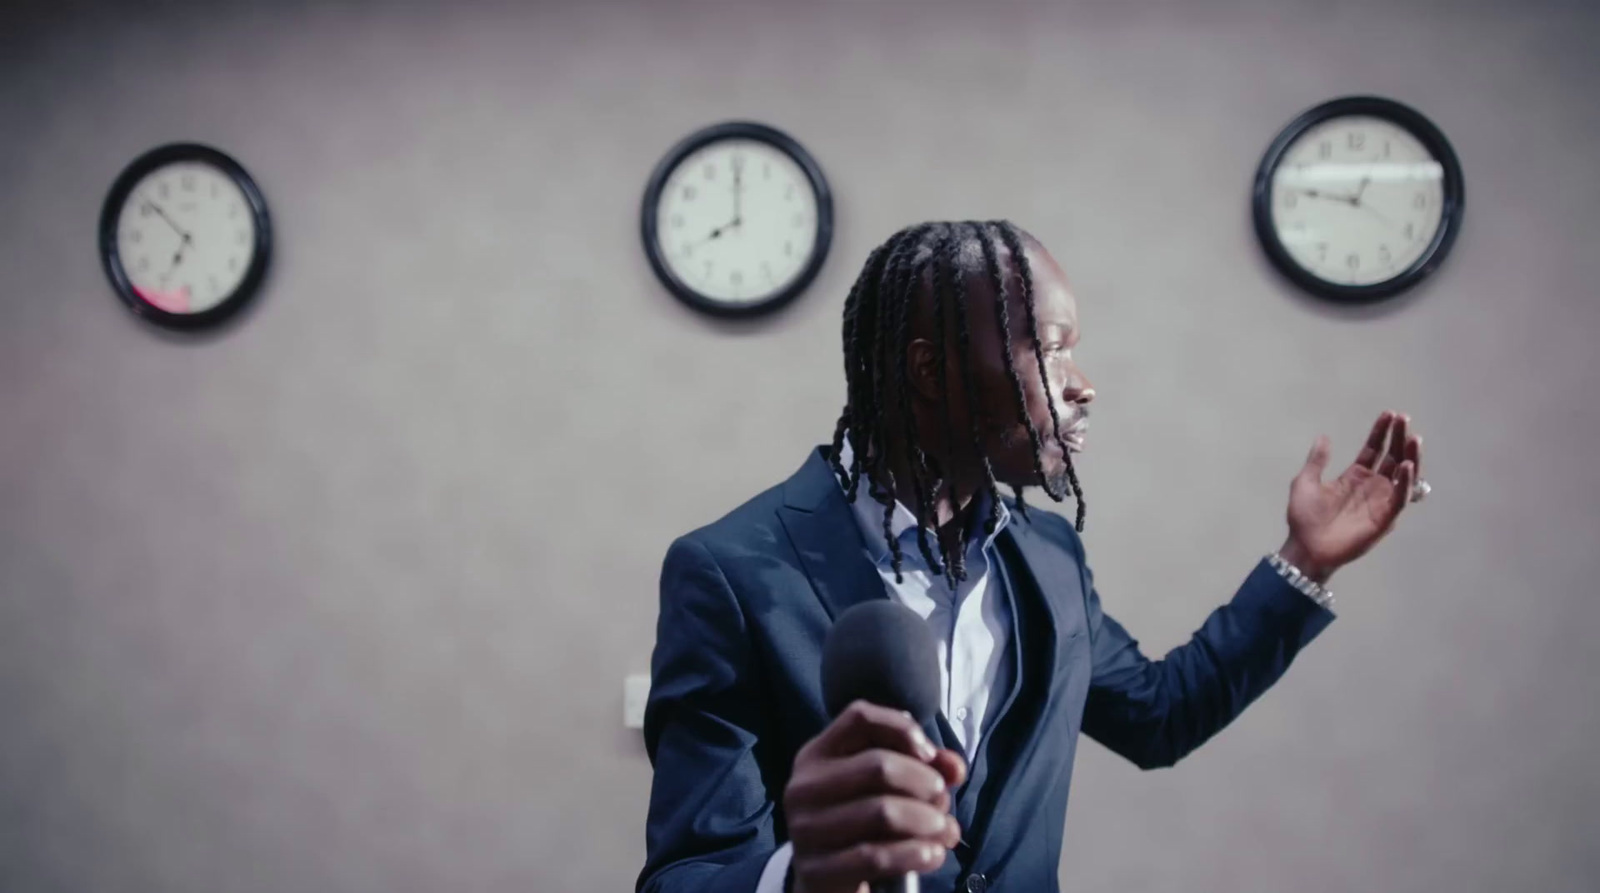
<point>341,600</point>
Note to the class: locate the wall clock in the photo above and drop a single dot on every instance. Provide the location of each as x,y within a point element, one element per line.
<point>737,219</point>
<point>185,236</point>
<point>1358,199</point>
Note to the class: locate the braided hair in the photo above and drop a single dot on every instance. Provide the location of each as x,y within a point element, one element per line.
<point>877,335</point>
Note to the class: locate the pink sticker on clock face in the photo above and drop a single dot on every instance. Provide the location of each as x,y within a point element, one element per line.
<point>175,301</point>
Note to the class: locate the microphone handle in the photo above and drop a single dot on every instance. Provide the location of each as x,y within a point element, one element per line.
<point>911,883</point>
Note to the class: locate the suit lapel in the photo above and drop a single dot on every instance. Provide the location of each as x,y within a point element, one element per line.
<point>1051,573</point>
<point>827,538</point>
<point>1028,563</point>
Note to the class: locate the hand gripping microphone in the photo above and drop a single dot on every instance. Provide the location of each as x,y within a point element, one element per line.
<point>881,652</point>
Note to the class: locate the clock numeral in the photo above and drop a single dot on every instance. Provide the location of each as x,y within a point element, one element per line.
<point>736,277</point>
<point>214,189</point>
<point>1385,148</point>
<point>708,269</point>
<point>767,269</point>
<point>688,193</point>
<point>711,171</point>
<point>797,220</point>
<point>1325,149</point>
<point>233,263</point>
<point>1356,139</point>
<point>1322,251</point>
<point>1383,255</point>
<point>788,249</point>
<point>677,221</point>
<point>1289,200</point>
<point>187,181</point>
<point>146,209</point>
<point>688,249</point>
<point>188,289</point>
<point>766,170</point>
<point>215,288</point>
<point>136,237</point>
<point>144,263</point>
<point>788,192</point>
<point>1353,261</point>
<point>736,161</point>
<point>244,236</point>
<point>163,189</point>
<point>1410,229</point>
<point>1420,201</point>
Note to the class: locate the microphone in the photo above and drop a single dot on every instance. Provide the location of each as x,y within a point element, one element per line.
<point>881,652</point>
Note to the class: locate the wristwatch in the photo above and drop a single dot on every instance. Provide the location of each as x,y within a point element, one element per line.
<point>1312,589</point>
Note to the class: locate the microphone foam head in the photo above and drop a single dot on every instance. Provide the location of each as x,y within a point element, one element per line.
<point>883,653</point>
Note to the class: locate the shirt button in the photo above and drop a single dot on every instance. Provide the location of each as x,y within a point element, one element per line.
<point>976,883</point>
<point>961,714</point>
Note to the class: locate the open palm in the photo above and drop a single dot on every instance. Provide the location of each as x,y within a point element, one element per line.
<point>1334,522</point>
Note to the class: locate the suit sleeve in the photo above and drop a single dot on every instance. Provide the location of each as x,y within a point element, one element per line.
<point>710,822</point>
<point>1154,712</point>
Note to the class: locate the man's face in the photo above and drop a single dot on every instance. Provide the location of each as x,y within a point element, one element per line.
<point>1005,438</point>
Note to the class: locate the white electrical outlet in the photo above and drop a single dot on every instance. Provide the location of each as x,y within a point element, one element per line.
<point>635,691</point>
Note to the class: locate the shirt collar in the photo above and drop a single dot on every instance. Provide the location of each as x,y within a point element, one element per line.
<point>903,522</point>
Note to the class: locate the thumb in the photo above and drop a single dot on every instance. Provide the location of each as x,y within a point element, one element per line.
<point>1317,459</point>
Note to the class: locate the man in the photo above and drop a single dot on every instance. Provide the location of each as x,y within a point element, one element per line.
<point>958,343</point>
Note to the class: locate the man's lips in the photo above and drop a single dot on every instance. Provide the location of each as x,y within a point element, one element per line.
<point>1074,432</point>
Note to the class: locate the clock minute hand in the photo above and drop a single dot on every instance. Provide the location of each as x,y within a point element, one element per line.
<point>168,218</point>
<point>1316,193</point>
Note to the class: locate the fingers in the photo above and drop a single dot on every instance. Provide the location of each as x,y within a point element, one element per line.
<point>1414,453</point>
<point>1396,452</point>
<point>844,869</point>
<point>861,726</point>
<point>869,798</point>
<point>1372,453</point>
<point>1317,459</point>
<point>949,764</point>
<point>1405,478</point>
<point>866,774</point>
<point>875,819</point>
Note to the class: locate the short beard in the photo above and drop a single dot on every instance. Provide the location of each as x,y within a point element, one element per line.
<point>1057,483</point>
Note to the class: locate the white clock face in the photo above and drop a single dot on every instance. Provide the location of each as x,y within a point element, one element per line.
<point>737,221</point>
<point>186,237</point>
<point>1356,200</point>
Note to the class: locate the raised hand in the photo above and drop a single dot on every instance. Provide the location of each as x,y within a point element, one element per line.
<point>1332,523</point>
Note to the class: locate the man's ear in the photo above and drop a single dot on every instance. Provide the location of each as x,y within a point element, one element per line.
<point>922,368</point>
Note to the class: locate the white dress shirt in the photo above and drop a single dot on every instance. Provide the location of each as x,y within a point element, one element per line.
<point>971,625</point>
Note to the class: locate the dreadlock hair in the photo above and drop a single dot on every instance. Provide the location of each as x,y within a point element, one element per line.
<point>877,335</point>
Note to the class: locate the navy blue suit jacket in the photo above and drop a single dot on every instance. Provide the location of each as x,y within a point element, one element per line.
<point>746,603</point>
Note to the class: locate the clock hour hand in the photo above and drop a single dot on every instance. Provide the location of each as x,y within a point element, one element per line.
<point>717,233</point>
<point>1361,190</point>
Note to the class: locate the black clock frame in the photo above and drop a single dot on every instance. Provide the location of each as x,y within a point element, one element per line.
<point>1454,198</point>
<point>111,258</point>
<point>652,198</point>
